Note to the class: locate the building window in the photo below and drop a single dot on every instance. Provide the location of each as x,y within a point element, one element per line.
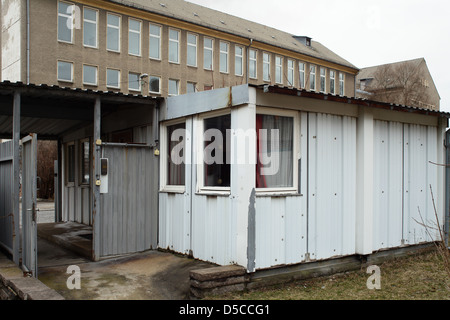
<point>312,78</point>
<point>208,87</point>
<point>322,80</point>
<point>155,42</point>
<point>70,163</point>
<point>252,66</point>
<point>65,71</point>
<point>191,50</point>
<point>134,83</point>
<point>65,21</point>
<point>278,69</point>
<point>266,67</point>
<point>301,71</point>
<point>290,75</point>
<point>90,18</point>
<point>208,54</point>
<point>341,84</point>
<point>176,164</point>
<point>173,87</point>
<point>332,81</point>
<point>216,170</point>
<point>239,61</point>
<point>113,78</point>
<point>154,84</point>
<point>85,157</point>
<point>174,46</point>
<point>224,47</point>
<point>113,32</point>
<point>191,87</point>
<point>134,37</point>
<point>276,165</point>
<point>89,75</point>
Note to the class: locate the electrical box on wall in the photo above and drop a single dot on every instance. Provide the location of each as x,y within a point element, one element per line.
<point>104,170</point>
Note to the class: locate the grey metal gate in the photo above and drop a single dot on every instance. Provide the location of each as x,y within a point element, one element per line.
<point>6,191</point>
<point>29,226</point>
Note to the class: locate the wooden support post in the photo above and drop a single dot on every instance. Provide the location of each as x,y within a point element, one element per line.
<point>16,177</point>
<point>96,208</point>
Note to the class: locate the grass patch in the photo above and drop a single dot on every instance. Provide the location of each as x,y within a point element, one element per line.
<point>417,277</point>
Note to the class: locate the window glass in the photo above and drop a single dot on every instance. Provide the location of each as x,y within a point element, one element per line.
<point>113,32</point>
<point>266,67</point>
<point>134,37</point>
<point>89,75</point>
<point>279,69</point>
<point>224,57</point>
<point>275,143</point>
<point>217,151</point>
<point>155,41</point>
<point>176,146</point>
<point>155,84</point>
<point>208,54</point>
<point>239,58</point>
<point>134,82</point>
<point>85,157</point>
<point>65,70</point>
<point>301,69</point>
<point>174,36</point>
<point>112,78</point>
<point>312,78</point>
<point>65,20</point>
<point>70,163</point>
<point>191,50</point>
<point>322,79</point>
<point>90,27</point>
<point>252,64</point>
<point>191,87</point>
<point>173,87</point>
<point>332,82</point>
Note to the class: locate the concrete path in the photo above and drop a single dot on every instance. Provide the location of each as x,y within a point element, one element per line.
<point>152,275</point>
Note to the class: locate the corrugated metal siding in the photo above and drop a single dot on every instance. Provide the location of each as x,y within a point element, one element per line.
<point>214,229</point>
<point>419,149</point>
<point>6,188</point>
<point>280,231</point>
<point>332,186</point>
<point>388,184</point>
<point>174,222</point>
<point>128,215</point>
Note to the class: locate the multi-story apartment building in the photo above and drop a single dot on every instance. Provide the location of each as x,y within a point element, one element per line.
<point>155,48</point>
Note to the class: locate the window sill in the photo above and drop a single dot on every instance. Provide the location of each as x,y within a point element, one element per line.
<point>214,193</point>
<point>275,194</point>
<point>174,190</point>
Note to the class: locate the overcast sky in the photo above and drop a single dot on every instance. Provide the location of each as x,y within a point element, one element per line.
<point>364,32</point>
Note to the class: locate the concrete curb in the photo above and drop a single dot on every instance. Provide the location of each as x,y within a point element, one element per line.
<point>15,286</point>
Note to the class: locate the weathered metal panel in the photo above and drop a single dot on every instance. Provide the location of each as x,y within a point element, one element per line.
<point>388,183</point>
<point>419,174</point>
<point>332,185</point>
<point>6,185</point>
<point>214,229</point>
<point>128,217</point>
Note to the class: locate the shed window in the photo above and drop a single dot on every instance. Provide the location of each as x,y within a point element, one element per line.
<point>85,161</point>
<point>217,151</point>
<point>275,150</point>
<point>70,163</point>
<point>175,154</point>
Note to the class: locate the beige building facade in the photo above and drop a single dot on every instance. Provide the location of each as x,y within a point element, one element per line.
<point>150,48</point>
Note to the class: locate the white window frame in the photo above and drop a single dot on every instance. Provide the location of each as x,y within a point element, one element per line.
<point>71,72</point>
<point>192,83</point>
<point>266,64</point>
<point>96,75</point>
<point>140,37</point>
<point>68,16</point>
<point>139,82</point>
<point>255,61</point>
<point>333,80</point>
<point>199,126</point>
<point>118,80</point>
<point>68,183</point>
<point>279,69</point>
<point>291,72</point>
<point>118,28</point>
<point>301,75</point>
<point>91,22</point>
<point>323,77</point>
<point>312,77</point>
<point>192,46</point>
<point>177,42</point>
<point>178,87</point>
<point>211,67</point>
<point>159,87</point>
<point>295,152</point>
<point>164,157</point>
<point>224,55</point>
<point>155,37</point>
<point>341,84</point>
<point>240,57</point>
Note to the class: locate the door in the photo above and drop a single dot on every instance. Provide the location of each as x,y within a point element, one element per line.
<point>29,209</point>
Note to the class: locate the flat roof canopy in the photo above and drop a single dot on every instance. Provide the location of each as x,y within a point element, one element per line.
<point>52,111</point>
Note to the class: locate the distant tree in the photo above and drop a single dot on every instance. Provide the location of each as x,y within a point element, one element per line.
<point>399,84</point>
<point>47,153</point>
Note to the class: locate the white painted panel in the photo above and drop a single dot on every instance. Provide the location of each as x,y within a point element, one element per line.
<point>388,169</point>
<point>332,181</point>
